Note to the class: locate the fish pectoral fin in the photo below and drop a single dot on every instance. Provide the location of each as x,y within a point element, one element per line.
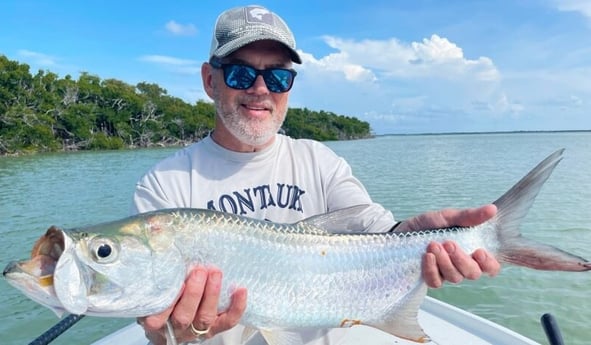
<point>169,333</point>
<point>276,337</point>
<point>404,323</point>
<point>342,221</point>
<point>247,334</point>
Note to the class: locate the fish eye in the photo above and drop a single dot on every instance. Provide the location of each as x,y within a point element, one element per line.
<point>104,250</point>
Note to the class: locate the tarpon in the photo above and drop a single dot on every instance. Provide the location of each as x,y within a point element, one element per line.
<point>316,273</point>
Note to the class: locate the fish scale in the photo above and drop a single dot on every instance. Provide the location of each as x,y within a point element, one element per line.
<point>369,271</point>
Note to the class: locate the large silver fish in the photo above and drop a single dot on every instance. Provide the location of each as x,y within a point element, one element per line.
<point>312,274</point>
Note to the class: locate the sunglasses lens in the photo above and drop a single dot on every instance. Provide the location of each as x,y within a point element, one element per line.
<point>278,80</point>
<point>241,77</point>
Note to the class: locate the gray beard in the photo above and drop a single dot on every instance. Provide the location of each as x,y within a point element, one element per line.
<point>248,132</point>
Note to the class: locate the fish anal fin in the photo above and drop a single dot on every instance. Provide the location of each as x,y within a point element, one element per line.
<point>404,322</point>
<point>277,337</point>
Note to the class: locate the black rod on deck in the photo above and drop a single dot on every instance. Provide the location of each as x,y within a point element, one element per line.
<point>552,331</point>
<point>56,330</point>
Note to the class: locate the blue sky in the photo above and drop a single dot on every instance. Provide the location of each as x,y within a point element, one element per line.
<point>403,66</point>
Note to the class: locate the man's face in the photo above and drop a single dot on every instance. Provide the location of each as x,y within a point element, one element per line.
<point>248,119</point>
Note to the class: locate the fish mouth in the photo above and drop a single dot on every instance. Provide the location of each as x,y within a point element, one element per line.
<point>44,257</point>
<point>35,277</point>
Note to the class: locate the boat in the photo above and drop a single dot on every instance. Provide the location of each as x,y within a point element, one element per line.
<point>444,323</point>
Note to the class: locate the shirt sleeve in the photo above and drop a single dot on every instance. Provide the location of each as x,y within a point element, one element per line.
<point>343,190</point>
<point>146,199</point>
<point>166,185</point>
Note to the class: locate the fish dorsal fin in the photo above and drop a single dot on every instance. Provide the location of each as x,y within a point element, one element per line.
<point>345,220</point>
<point>404,323</point>
<point>275,337</point>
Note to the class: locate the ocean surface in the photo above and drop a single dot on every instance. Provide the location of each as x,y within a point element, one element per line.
<point>407,174</point>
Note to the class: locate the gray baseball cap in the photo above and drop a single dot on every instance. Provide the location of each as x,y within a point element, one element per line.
<point>240,26</point>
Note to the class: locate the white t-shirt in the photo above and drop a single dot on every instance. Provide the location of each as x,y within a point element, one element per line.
<point>291,180</point>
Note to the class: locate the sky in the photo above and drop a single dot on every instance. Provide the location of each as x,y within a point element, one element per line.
<point>403,66</point>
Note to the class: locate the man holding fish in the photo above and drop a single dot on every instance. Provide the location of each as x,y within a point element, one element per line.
<point>245,167</point>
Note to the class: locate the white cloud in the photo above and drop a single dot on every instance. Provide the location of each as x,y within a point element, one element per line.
<point>437,49</point>
<point>505,105</point>
<point>575,101</point>
<point>433,57</point>
<point>182,66</point>
<point>180,29</point>
<point>582,6</point>
<point>397,84</point>
<point>167,60</point>
<point>338,63</point>
<point>40,59</point>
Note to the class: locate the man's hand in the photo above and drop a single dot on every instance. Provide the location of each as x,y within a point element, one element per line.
<point>196,306</point>
<point>447,261</point>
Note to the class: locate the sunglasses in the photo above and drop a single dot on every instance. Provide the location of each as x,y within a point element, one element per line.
<point>242,77</point>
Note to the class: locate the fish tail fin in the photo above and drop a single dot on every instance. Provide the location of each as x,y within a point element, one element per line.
<point>512,208</point>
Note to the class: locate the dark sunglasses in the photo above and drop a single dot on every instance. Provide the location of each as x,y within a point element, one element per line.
<point>242,77</point>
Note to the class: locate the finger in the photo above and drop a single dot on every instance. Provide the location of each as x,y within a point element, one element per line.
<point>156,337</point>
<point>448,218</point>
<point>488,264</point>
<point>154,325</point>
<point>186,307</point>
<point>431,273</point>
<point>156,322</point>
<point>463,264</point>
<point>232,316</point>
<point>469,216</point>
<point>446,267</point>
<point>208,307</point>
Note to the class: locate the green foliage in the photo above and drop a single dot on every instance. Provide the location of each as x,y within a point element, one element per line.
<point>43,112</point>
<point>101,141</point>
<point>304,123</point>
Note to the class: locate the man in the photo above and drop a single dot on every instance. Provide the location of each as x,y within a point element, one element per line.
<point>245,167</point>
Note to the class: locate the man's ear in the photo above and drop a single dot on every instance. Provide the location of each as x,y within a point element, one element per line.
<point>207,78</point>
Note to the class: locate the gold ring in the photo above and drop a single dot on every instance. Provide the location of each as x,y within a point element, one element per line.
<point>197,332</point>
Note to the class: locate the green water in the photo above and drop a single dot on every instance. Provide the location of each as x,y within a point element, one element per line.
<point>408,174</point>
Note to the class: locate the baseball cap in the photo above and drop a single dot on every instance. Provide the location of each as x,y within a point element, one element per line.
<point>240,26</point>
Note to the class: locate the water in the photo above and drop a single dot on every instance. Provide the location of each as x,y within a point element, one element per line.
<point>407,174</point>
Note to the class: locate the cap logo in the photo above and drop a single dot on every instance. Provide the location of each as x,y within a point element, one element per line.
<point>259,15</point>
